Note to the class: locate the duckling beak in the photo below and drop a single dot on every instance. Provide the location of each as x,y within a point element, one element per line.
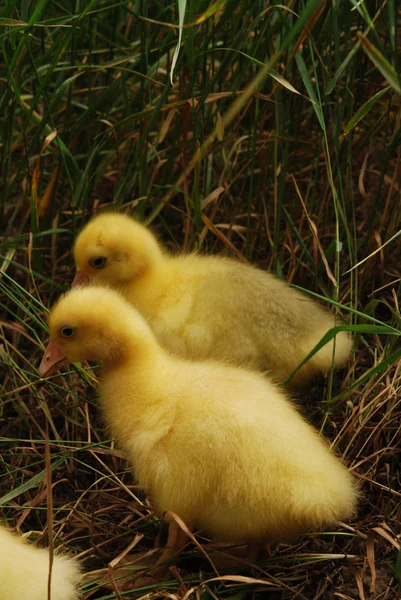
<point>81,278</point>
<point>52,359</point>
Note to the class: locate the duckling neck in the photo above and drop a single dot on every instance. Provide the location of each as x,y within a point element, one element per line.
<point>134,402</point>
<point>134,345</point>
<point>146,289</point>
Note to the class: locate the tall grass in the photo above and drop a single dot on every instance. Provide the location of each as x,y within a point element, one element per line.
<point>278,141</point>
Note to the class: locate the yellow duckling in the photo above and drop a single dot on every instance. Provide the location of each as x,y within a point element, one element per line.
<point>24,571</point>
<point>209,307</point>
<point>220,446</point>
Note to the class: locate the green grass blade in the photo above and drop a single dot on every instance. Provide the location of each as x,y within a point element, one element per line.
<point>31,483</point>
<point>364,110</point>
<point>388,72</point>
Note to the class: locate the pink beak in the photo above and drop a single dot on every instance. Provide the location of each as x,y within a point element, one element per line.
<point>81,278</point>
<point>52,360</point>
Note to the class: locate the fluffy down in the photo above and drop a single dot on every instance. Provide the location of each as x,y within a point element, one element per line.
<point>24,571</point>
<point>221,446</point>
<point>206,306</point>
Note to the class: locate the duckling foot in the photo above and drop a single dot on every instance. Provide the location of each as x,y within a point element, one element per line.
<point>123,573</point>
<point>177,539</point>
<point>154,577</point>
<point>238,557</point>
<point>143,582</point>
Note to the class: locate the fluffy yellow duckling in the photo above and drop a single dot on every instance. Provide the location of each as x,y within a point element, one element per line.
<point>24,571</point>
<point>209,307</point>
<point>220,446</point>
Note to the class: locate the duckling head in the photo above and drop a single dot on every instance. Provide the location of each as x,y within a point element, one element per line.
<point>114,249</point>
<point>92,323</point>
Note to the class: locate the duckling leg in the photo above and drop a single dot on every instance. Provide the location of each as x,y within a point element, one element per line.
<point>256,551</point>
<point>236,557</point>
<point>176,541</point>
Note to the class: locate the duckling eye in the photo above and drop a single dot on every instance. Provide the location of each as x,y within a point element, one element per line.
<point>98,262</point>
<point>67,332</point>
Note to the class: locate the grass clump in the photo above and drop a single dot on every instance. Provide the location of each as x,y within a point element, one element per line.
<point>278,141</point>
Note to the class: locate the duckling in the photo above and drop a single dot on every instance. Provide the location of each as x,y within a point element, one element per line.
<point>207,306</point>
<point>24,571</point>
<point>218,445</point>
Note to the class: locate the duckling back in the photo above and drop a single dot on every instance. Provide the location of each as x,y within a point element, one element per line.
<point>24,571</point>
<point>277,325</point>
<point>209,307</point>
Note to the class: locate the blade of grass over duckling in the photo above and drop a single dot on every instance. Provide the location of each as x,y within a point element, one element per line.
<point>371,329</point>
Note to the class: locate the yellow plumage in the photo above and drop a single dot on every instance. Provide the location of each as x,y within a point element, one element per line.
<point>221,446</point>
<point>203,307</point>
<point>24,571</point>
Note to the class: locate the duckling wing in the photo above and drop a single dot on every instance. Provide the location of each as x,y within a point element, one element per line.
<point>252,318</point>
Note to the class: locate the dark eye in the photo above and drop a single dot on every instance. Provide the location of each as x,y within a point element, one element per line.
<point>98,262</point>
<point>67,332</point>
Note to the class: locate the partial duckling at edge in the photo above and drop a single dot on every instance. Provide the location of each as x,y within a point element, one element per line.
<point>24,571</point>
<point>220,446</point>
<point>206,306</point>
